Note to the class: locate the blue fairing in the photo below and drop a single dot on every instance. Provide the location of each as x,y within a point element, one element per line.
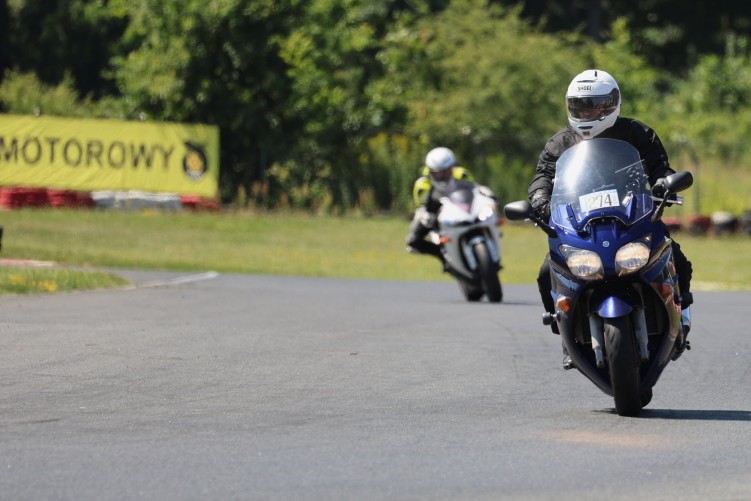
<point>601,201</point>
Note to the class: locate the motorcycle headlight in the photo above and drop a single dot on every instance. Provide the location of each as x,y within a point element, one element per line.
<point>633,256</point>
<point>583,263</point>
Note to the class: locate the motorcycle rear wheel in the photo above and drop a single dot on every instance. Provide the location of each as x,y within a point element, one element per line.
<point>623,363</point>
<point>488,272</point>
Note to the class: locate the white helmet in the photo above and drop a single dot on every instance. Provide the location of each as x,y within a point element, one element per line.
<point>593,102</point>
<point>439,162</point>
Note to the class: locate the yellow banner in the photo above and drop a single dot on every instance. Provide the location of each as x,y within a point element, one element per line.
<point>90,155</point>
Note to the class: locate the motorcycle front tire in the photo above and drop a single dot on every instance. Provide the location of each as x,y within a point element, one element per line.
<point>472,290</point>
<point>488,271</point>
<point>623,363</point>
<point>646,397</point>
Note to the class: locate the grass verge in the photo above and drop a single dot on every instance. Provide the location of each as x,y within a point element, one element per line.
<point>295,244</point>
<point>24,280</point>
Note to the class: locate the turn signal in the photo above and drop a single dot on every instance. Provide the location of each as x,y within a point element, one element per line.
<point>663,289</point>
<point>444,240</point>
<point>563,304</point>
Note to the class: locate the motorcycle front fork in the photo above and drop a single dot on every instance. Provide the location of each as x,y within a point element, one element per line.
<point>597,332</point>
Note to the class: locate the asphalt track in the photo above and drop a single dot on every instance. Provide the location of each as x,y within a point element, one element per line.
<point>205,386</point>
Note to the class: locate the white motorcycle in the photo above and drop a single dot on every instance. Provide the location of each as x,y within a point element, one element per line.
<point>470,240</point>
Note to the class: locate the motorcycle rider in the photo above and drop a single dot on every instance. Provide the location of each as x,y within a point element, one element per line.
<point>593,103</point>
<point>440,168</point>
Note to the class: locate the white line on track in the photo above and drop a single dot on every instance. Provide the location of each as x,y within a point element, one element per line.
<point>181,280</point>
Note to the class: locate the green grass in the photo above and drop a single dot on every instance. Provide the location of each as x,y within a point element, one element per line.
<point>274,244</point>
<point>295,244</point>
<point>23,280</point>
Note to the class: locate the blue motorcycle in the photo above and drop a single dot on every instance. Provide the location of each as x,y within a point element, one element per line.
<point>614,281</point>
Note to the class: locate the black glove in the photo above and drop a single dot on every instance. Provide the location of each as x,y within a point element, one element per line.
<point>660,188</point>
<point>541,205</point>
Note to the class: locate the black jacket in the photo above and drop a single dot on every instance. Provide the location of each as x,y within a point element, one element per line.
<point>632,131</point>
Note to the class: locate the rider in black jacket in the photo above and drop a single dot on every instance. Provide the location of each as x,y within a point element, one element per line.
<point>593,102</point>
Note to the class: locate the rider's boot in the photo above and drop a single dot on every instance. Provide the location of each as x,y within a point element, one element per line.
<point>444,263</point>
<point>568,364</point>
<point>686,327</point>
<point>686,320</point>
<point>435,250</point>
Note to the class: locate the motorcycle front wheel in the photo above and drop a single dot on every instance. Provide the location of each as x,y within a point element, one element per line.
<point>472,290</point>
<point>488,272</point>
<point>623,363</point>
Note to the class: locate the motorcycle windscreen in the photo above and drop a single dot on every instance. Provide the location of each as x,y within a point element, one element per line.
<point>461,194</point>
<point>457,203</point>
<point>599,178</point>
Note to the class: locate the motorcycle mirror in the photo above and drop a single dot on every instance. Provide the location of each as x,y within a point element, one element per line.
<point>521,210</point>
<point>679,181</point>
<point>518,211</point>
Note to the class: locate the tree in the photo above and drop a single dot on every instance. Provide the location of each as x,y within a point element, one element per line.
<point>53,38</point>
<point>332,104</point>
<point>333,63</point>
<point>483,79</point>
<point>4,38</point>
<point>215,63</point>
<point>669,34</point>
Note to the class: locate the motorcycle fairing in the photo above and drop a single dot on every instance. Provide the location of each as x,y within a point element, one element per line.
<point>623,295</point>
<point>614,307</point>
<point>460,220</point>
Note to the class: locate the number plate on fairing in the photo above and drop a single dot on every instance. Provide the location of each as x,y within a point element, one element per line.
<point>599,200</point>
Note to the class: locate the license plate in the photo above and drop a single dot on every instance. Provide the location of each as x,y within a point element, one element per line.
<point>599,200</point>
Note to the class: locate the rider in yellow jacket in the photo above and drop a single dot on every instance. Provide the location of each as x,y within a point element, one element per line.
<point>440,167</point>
